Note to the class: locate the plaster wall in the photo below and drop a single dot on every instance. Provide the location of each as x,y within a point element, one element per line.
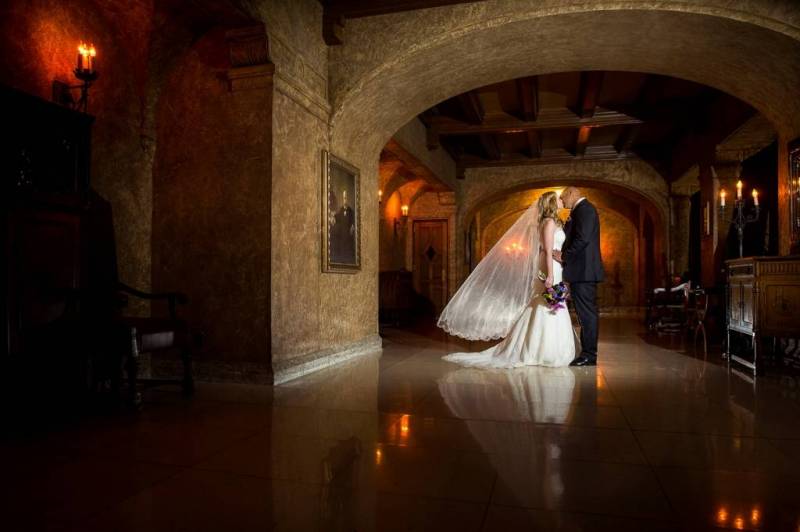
<point>211,209</point>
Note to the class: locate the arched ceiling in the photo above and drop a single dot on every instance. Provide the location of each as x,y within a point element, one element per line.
<point>589,115</point>
<point>381,79</point>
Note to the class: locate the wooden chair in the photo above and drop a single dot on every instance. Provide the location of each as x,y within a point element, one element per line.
<point>132,336</point>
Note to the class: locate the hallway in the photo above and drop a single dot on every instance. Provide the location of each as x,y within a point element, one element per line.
<point>650,439</point>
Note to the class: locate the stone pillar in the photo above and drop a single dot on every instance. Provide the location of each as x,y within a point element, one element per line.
<point>679,235</point>
<point>212,187</point>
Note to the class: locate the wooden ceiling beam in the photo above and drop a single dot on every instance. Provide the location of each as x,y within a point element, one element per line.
<point>491,147</point>
<point>627,137</point>
<point>528,92</point>
<point>551,119</point>
<point>582,140</point>
<point>588,91</point>
<point>603,153</point>
<point>534,143</point>
<point>473,108</point>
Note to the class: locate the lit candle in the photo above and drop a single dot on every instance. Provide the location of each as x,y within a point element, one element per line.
<point>755,197</point>
<point>91,56</point>
<point>81,49</point>
<point>739,190</point>
<point>380,195</point>
<point>722,195</point>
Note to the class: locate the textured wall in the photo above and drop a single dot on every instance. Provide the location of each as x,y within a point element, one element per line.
<point>39,42</point>
<point>211,205</point>
<point>313,313</point>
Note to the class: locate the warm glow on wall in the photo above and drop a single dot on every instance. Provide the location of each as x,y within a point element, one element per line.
<point>404,428</point>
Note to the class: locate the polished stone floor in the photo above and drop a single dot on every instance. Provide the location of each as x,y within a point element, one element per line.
<point>653,439</point>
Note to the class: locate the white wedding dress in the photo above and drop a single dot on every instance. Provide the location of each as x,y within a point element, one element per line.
<point>539,337</point>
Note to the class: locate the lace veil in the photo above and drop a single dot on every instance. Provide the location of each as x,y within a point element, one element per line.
<point>491,299</point>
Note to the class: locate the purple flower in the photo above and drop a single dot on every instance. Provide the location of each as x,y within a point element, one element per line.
<point>556,296</point>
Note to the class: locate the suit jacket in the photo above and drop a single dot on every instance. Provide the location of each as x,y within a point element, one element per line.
<point>580,253</point>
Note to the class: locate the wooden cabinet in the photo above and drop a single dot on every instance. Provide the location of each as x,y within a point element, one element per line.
<point>763,301</point>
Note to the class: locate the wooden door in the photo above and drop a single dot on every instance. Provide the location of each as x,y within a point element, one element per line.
<point>430,261</point>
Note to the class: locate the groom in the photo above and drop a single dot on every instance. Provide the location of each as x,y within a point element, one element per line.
<point>583,268</point>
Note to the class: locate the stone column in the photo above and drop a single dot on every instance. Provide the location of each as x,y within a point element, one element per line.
<point>679,234</point>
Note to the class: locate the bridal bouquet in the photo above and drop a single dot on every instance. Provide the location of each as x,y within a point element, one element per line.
<point>555,297</point>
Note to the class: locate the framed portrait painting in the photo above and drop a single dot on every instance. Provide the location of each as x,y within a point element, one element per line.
<point>341,216</point>
<point>794,190</point>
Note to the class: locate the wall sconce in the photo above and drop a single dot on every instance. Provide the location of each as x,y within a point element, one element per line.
<point>403,220</point>
<point>86,72</point>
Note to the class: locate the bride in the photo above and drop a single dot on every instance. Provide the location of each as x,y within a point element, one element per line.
<point>502,298</point>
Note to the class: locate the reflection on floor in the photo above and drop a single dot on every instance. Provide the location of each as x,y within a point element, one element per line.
<point>652,439</point>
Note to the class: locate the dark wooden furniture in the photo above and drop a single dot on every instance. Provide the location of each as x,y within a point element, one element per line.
<point>667,309</point>
<point>63,322</point>
<point>395,296</point>
<point>763,301</point>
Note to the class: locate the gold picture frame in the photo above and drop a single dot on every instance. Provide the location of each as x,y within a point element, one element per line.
<point>794,191</point>
<point>341,215</point>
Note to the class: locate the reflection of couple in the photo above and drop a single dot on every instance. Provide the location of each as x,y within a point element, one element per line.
<point>534,406</point>
<point>502,297</point>
<point>342,231</point>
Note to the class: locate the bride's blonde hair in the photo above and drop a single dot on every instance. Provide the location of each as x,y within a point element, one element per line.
<point>548,207</point>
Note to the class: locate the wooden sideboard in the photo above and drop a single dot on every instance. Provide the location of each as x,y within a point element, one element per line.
<point>763,301</point>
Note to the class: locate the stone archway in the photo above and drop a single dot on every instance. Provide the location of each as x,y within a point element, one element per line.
<point>381,79</point>
<point>432,56</point>
<point>620,206</point>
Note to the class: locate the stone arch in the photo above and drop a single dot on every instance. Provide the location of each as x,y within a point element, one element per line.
<point>618,205</point>
<point>634,176</point>
<point>699,41</point>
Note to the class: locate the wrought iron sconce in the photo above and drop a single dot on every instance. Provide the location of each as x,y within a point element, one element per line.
<point>403,220</point>
<point>739,219</point>
<point>85,71</point>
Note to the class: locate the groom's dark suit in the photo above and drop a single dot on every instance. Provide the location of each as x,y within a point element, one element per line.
<point>583,269</point>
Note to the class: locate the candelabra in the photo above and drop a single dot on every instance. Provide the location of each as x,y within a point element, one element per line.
<point>86,73</point>
<point>740,218</point>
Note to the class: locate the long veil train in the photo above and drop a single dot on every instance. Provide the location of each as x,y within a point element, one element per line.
<point>486,306</point>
